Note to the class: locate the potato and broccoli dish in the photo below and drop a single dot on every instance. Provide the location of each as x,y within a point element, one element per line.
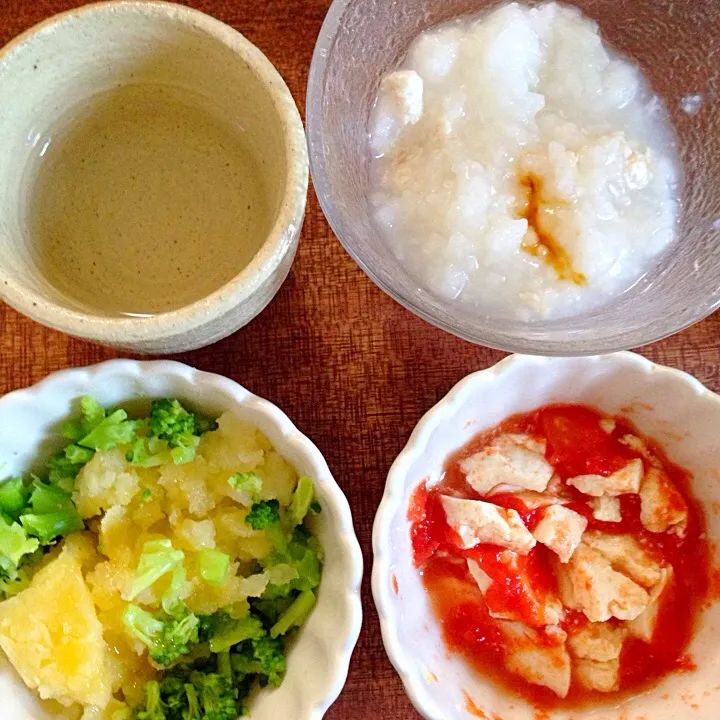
<point>158,567</point>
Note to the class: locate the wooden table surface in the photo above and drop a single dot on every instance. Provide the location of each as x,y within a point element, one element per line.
<point>353,369</point>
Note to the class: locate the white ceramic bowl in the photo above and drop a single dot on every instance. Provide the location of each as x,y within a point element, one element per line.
<point>64,63</point>
<point>667,405</point>
<point>30,422</point>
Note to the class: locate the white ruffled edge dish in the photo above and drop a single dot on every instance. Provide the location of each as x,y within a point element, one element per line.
<point>318,661</point>
<point>668,405</point>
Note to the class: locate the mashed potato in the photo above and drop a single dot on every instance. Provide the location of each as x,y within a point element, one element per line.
<point>69,634</point>
<point>520,166</point>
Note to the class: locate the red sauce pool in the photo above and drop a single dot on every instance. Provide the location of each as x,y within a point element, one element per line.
<point>576,445</point>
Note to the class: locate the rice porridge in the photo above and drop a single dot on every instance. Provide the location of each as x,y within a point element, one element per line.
<point>521,167</point>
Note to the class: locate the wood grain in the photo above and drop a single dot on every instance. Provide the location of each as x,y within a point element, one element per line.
<point>352,368</point>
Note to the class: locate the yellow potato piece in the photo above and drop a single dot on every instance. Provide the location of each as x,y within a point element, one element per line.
<point>51,634</point>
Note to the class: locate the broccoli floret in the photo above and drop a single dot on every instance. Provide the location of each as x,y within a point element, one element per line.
<point>273,606</point>
<point>303,554</point>
<point>154,707</point>
<point>192,711</point>
<point>203,424</point>
<point>167,638</point>
<point>110,432</point>
<point>77,455</point>
<point>62,472</point>
<point>295,615</point>
<point>248,482</point>
<point>302,499</point>
<point>263,657</point>
<point>159,558</point>
<point>229,631</point>
<point>190,694</point>
<point>91,415</point>
<point>263,514</point>
<point>217,695</point>
<point>171,422</point>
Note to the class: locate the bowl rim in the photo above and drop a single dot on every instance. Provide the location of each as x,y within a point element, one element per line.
<point>529,343</point>
<point>280,238</point>
<point>332,492</point>
<point>385,602</point>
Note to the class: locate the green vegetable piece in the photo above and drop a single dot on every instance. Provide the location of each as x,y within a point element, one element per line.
<point>213,566</point>
<point>218,697</point>
<point>14,543</point>
<point>203,424</point>
<point>295,615</point>
<point>263,657</point>
<point>158,558</point>
<point>302,554</point>
<point>139,454</point>
<point>78,455</point>
<point>182,454</point>
<point>263,514</point>
<point>302,499</point>
<point>315,507</point>
<point>171,422</point>
<point>46,527</point>
<point>271,608</point>
<point>62,473</point>
<point>154,706</point>
<point>212,697</point>
<point>232,631</point>
<point>92,414</point>
<point>224,666</point>
<point>192,711</point>
<point>49,499</point>
<point>248,482</point>
<point>114,430</point>
<point>10,586</point>
<point>14,497</point>
<point>167,638</point>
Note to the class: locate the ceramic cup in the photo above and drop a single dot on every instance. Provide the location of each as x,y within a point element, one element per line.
<point>68,60</point>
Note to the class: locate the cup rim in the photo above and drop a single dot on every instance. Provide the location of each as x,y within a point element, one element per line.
<point>280,237</point>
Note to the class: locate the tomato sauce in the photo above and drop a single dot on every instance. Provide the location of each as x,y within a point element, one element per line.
<point>576,445</point>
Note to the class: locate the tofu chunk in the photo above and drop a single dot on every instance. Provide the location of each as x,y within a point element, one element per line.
<point>662,507</point>
<point>556,493</point>
<point>598,590</point>
<point>643,626</point>
<point>540,658</point>
<point>540,608</point>
<point>597,641</point>
<point>514,460</point>
<point>626,555</point>
<point>600,676</point>
<point>607,425</point>
<point>637,445</point>
<point>561,530</point>
<point>400,103</point>
<point>478,522</point>
<point>623,481</point>
<point>529,498</point>
<point>606,508</point>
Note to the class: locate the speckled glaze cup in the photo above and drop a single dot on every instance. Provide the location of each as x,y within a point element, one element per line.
<point>66,61</point>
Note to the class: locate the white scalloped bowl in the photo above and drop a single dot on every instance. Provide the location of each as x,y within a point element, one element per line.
<point>667,405</point>
<point>318,661</point>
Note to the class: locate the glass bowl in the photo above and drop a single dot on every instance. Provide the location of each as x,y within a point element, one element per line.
<point>675,45</point>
